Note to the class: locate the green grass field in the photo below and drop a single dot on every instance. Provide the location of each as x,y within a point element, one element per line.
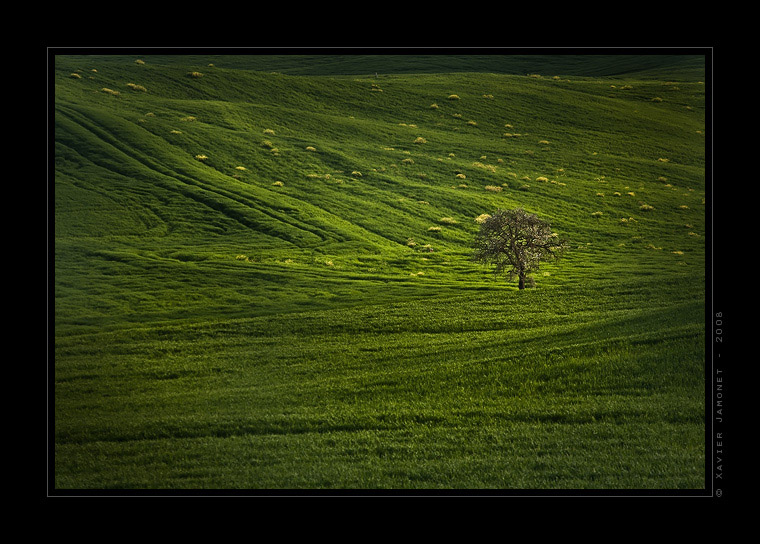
<point>262,273</point>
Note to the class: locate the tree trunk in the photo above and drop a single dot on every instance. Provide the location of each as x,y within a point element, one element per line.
<point>521,285</point>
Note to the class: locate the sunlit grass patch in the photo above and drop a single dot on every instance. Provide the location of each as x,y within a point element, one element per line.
<point>494,188</point>
<point>136,87</point>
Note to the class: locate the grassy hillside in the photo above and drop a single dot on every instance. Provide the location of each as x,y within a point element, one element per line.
<point>263,274</point>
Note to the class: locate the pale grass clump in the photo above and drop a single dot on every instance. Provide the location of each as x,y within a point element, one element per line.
<point>136,87</point>
<point>663,160</point>
<point>356,174</point>
<point>631,193</point>
<point>434,229</point>
<point>310,148</point>
<point>195,75</point>
<point>75,76</point>
<point>269,131</point>
<point>657,99</point>
<point>329,263</point>
<point>489,167</point>
<point>662,179</point>
<point>482,218</point>
<point>240,168</point>
<point>433,106</point>
<point>461,176</point>
<point>410,242</point>
<point>488,96</point>
<point>646,208</point>
<point>188,119</point>
<point>423,202</point>
<point>597,214</point>
<point>407,161</point>
<point>241,257</point>
<point>683,207</point>
<point>110,91</point>
<point>201,157</point>
<point>472,123</point>
<point>617,194</point>
<point>494,188</point>
<point>278,184</point>
<point>453,97</point>
<point>600,194</point>
<point>420,140</point>
<point>544,142</point>
<point>448,220</point>
<point>175,132</point>
<point>677,252</point>
<point>542,178</point>
<point>139,61</point>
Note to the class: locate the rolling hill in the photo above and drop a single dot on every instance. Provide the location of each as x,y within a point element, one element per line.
<point>262,273</point>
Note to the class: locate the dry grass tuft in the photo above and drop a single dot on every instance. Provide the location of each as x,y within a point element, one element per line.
<point>453,97</point>
<point>493,188</point>
<point>136,87</point>
<point>110,91</point>
<point>646,208</point>
<point>195,75</point>
<point>482,218</point>
<point>278,184</point>
<point>310,148</point>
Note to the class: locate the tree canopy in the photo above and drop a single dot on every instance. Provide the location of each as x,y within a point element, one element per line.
<point>517,242</point>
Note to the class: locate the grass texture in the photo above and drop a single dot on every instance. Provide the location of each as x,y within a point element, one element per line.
<point>263,275</point>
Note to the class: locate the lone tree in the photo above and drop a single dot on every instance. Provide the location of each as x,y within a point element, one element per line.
<point>517,242</point>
